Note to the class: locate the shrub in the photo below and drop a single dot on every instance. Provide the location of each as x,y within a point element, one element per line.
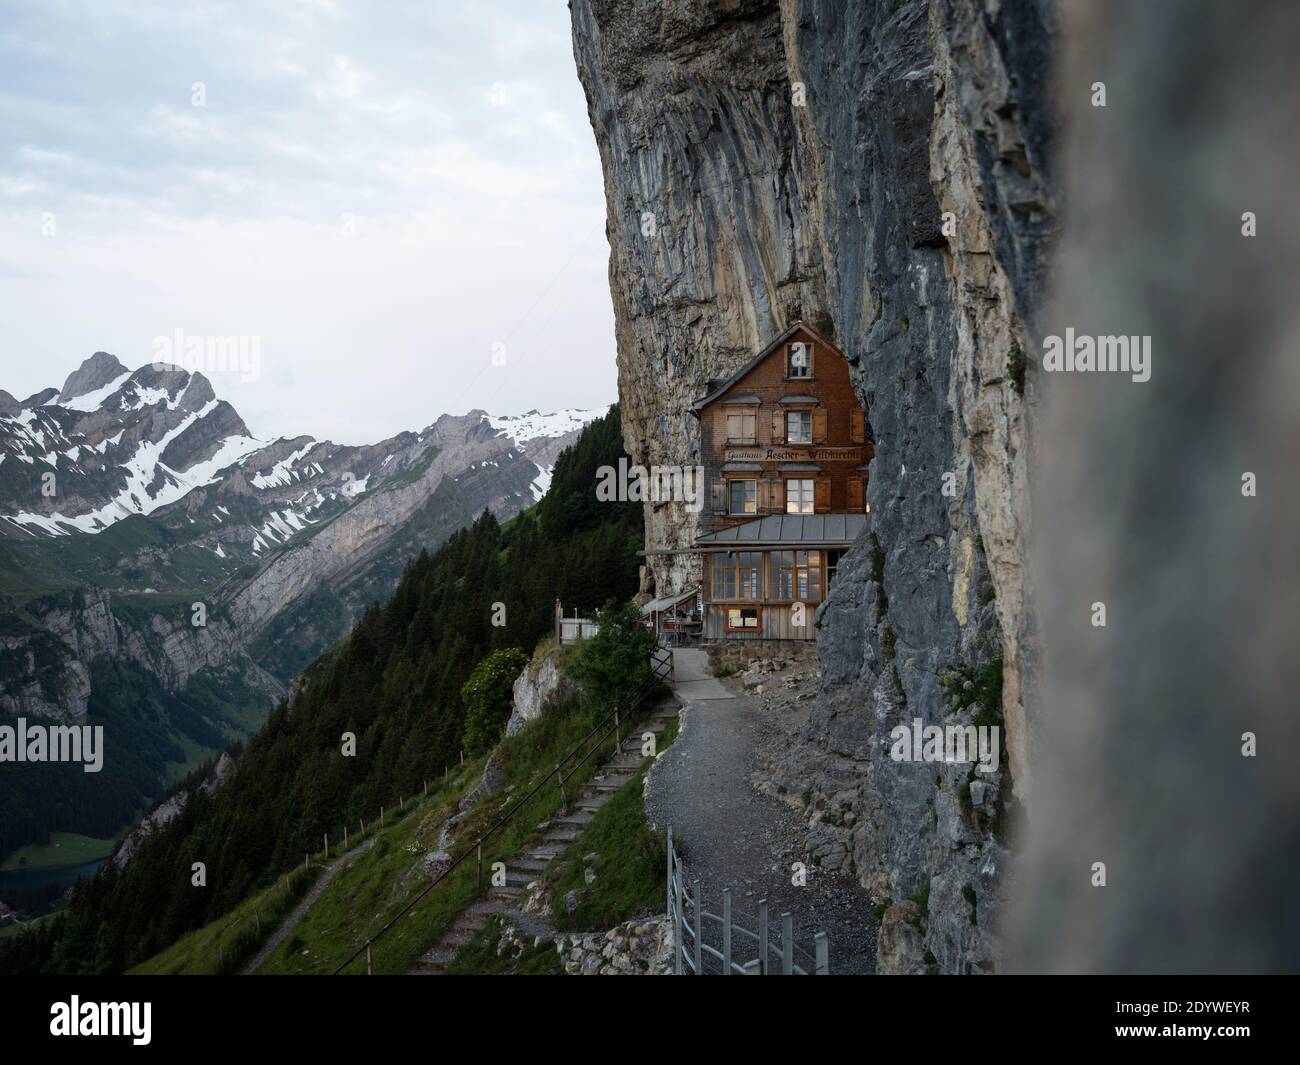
<point>487,697</point>
<point>616,661</point>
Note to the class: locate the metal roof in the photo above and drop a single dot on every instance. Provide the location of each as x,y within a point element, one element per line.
<point>790,528</point>
<point>666,601</point>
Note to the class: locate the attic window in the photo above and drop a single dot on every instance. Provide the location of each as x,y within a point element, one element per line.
<point>798,360</point>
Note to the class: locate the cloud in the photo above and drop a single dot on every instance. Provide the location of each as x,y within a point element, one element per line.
<point>381,192</point>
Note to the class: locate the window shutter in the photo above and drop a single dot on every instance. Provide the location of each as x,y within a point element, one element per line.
<point>766,497</point>
<point>855,495</point>
<point>822,495</point>
<point>819,425</point>
<point>857,426</point>
<point>772,501</point>
<point>778,426</point>
<point>718,494</point>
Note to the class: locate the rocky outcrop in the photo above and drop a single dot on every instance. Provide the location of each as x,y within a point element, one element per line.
<point>540,683</point>
<point>881,170</point>
<point>636,948</point>
<point>96,372</point>
<point>170,808</point>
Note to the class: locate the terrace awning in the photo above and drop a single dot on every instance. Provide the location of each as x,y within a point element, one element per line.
<point>787,530</point>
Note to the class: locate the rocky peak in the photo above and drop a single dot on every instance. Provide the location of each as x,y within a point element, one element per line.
<point>96,372</point>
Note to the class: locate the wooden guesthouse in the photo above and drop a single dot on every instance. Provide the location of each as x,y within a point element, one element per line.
<point>785,449</point>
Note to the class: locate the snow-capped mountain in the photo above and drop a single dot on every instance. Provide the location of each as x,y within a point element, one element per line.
<point>113,443</point>
<point>140,489</point>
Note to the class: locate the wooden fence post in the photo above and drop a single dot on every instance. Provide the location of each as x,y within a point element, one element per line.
<point>327,845</point>
<point>370,969</point>
<point>345,837</point>
<point>787,944</point>
<point>381,817</point>
<point>762,937</point>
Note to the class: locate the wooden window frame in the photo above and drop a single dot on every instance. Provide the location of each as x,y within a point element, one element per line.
<point>790,375</point>
<point>799,411</point>
<point>776,563</point>
<point>811,483</point>
<point>730,563</point>
<point>731,483</point>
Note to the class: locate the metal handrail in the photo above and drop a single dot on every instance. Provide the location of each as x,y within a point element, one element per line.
<point>635,699</point>
<point>679,898</point>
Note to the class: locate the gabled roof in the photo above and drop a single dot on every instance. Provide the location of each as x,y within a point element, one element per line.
<point>700,404</point>
<point>813,530</point>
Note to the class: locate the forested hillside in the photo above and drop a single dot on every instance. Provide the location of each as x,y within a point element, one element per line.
<point>395,682</point>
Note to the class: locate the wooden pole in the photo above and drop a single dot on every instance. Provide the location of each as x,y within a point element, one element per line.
<point>345,837</point>
<point>381,817</point>
<point>370,969</point>
<point>327,845</point>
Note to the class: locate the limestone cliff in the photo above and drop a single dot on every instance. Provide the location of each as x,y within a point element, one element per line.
<point>880,169</point>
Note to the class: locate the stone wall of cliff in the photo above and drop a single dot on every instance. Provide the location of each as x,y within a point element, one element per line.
<point>880,169</point>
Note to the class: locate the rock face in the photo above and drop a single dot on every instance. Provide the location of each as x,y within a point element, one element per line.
<point>881,170</point>
<point>540,683</point>
<point>1143,763</point>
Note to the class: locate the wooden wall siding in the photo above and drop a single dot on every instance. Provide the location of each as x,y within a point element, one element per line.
<point>776,624</point>
<point>839,446</point>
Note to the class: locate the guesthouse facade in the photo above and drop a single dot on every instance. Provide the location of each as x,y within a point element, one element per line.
<point>786,452</point>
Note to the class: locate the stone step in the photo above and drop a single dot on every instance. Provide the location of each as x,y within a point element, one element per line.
<point>561,835</point>
<point>591,802</point>
<point>578,818</point>
<point>506,891</point>
<point>458,937</point>
<point>543,854</point>
<point>521,877</point>
<point>531,865</point>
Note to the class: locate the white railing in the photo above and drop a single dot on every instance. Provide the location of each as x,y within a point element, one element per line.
<point>687,913</point>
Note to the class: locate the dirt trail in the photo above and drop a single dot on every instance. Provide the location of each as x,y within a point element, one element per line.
<point>304,904</point>
<point>730,835</point>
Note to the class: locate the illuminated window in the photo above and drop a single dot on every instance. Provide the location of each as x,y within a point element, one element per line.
<point>799,496</point>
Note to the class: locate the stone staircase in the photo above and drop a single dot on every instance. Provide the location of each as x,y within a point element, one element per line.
<point>531,863</point>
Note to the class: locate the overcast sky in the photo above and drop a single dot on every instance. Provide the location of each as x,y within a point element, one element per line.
<point>384,195</point>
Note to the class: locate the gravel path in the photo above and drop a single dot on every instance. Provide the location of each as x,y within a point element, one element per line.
<point>728,835</point>
<point>304,904</point>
